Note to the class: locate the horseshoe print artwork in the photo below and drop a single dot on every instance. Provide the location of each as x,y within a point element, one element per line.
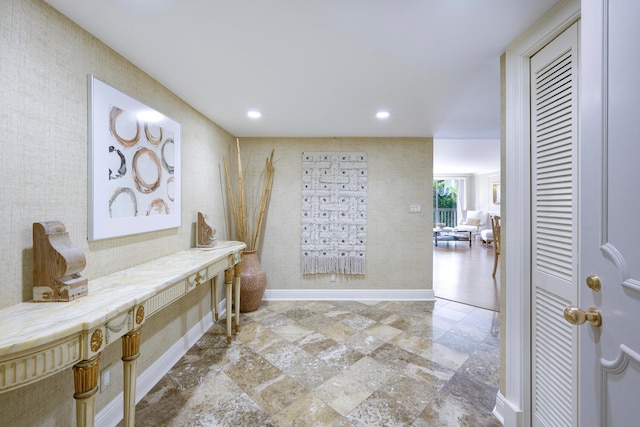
<point>134,165</point>
<point>122,169</point>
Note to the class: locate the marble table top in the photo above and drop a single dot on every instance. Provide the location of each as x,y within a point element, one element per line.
<point>29,325</point>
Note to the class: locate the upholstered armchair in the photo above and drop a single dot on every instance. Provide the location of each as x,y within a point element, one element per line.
<point>474,222</point>
<point>487,234</point>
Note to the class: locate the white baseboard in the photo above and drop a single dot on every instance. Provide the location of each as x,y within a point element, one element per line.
<point>112,413</point>
<point>498,410</point>
<point>349,295</point>
<point>506,413</point>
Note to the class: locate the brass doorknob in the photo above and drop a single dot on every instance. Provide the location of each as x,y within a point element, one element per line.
<point>578,316</point>
<point>593,282</point>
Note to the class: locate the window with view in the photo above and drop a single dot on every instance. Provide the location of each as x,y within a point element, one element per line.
<point>445,202</point>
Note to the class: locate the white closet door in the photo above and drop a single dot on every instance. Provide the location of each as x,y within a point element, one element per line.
<point>554,155</point>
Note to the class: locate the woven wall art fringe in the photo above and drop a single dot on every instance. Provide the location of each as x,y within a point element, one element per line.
<point>334,213</point>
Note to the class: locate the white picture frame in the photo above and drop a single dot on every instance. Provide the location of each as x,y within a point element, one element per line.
<point>133,166</point>
<point>495,193</point>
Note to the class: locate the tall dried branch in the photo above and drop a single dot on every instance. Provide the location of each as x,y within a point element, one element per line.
<point>232,200</point>
<point>264,199</point>
<point>242,209</point>
<point>247,209</point>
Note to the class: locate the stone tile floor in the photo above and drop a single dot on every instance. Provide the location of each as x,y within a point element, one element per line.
<point>338,363</point>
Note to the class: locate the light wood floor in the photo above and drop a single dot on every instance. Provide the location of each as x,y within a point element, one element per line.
<point>463,274</point>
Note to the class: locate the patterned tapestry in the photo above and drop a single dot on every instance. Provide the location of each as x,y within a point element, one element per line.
<point>334,213</point>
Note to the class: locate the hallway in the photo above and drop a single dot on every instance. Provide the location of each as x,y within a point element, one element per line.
<point>338,363</point>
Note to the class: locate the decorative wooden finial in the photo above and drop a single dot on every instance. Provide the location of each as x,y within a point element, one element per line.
<point>56,264</point>
<point>205,232</point>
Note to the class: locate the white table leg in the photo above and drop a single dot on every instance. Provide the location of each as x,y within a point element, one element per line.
<point>215,297</point>
<point>236,301</point>
<point>228,283</point>
<point>130,354</point>
<point>85,378</point>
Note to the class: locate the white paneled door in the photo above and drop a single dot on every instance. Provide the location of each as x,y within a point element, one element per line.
<point>554,207</point>
<point>609,355</point>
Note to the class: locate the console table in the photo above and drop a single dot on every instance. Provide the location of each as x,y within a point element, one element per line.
<point>38,340</point>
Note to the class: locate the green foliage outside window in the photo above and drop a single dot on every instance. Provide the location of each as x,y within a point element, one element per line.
<point>447,194</point>
<point>444,200</point>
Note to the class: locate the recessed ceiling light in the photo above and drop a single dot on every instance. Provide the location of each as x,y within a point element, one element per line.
<point>254,114</point>
<point>382,114</point>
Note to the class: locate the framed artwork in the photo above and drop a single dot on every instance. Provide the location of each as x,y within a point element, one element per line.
<point>495,193</point>
<point>134,166</point>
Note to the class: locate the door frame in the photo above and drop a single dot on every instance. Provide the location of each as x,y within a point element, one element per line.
<point>513,403</point>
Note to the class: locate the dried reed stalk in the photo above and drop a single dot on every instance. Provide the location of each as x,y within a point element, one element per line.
<point>241,206</point>
<point>248,226</point>
<point>265,196</point>
<point>232,202</point>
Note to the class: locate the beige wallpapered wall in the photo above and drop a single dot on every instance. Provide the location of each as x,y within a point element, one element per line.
<point>399,243</point>
<point>45,60</point>
<point>44,63</point>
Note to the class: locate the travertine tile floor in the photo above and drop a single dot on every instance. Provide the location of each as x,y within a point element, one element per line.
<point>339,363</point>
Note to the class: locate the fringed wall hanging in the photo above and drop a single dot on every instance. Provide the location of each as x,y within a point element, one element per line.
<point>334,213</point>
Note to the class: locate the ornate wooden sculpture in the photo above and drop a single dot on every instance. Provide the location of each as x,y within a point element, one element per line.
<point>205,232</point>
<point>56,264</point>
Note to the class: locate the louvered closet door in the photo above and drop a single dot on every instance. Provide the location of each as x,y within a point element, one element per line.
<point>554,146</point>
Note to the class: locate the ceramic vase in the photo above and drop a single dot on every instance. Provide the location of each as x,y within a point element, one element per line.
<point>253,282</point>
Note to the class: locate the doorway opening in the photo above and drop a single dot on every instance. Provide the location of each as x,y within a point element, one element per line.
<point>466,179</point>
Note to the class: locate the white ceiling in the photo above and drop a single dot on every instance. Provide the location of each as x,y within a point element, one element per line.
<point>465,156</point>
<point>322,68</point>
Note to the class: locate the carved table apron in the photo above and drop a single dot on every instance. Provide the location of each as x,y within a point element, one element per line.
<point>38,340</point>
